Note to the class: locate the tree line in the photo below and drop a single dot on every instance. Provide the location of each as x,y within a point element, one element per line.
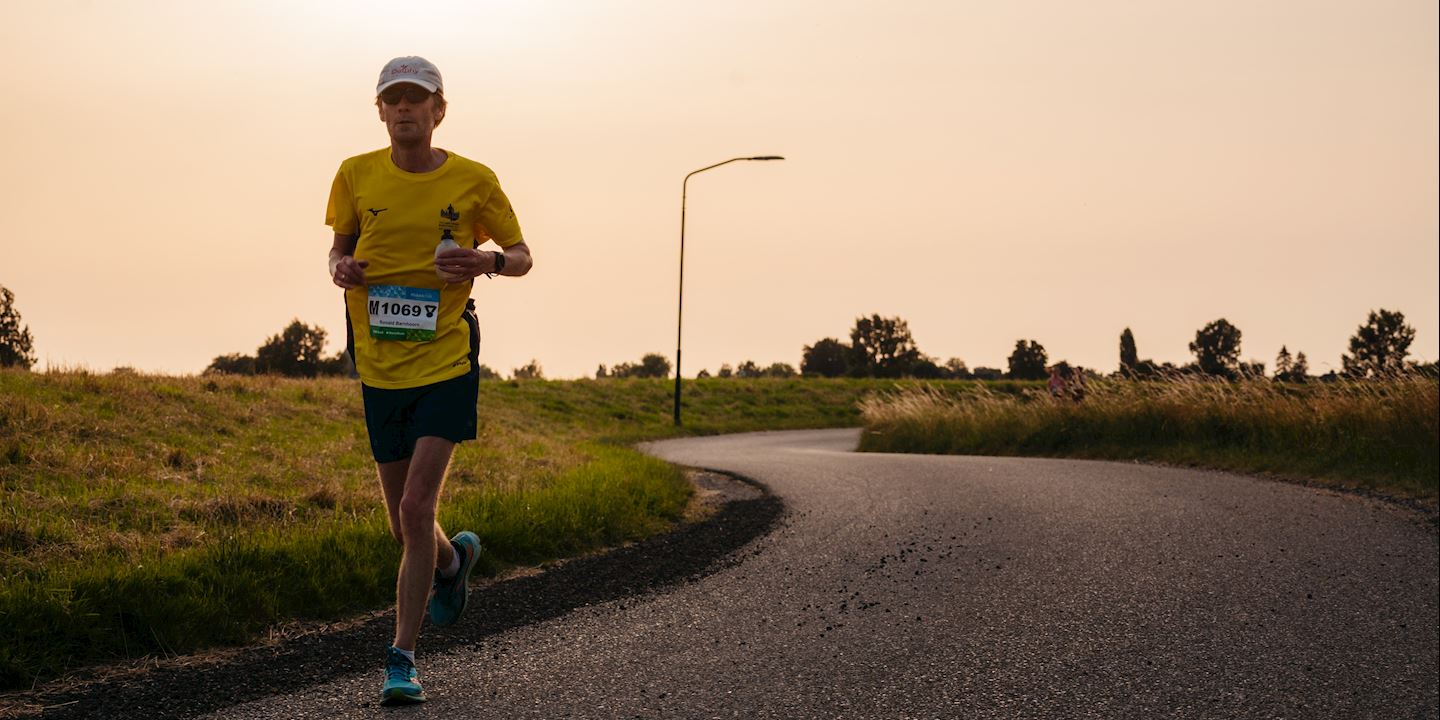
<point>296,352</point>
<point>878,347</point>
<point>883,347</point>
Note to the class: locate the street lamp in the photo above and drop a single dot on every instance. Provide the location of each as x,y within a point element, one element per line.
<point>681,305</point>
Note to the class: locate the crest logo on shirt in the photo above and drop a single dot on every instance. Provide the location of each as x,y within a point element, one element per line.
<point>449,219</point>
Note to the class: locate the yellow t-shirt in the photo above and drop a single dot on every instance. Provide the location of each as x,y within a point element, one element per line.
<point>400,217</point>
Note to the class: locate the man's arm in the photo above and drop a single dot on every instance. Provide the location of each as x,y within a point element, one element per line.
<point>345,270</point>
<point>461,264</point>
<point>517,260</point>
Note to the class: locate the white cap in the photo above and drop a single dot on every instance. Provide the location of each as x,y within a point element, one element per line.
<point>410,69</point>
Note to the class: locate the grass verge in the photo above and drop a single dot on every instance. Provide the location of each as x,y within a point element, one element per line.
<point>151,515</point>
<point>1378,436</point>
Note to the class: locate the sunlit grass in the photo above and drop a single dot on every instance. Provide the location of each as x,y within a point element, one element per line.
<point>149,514</point>
<point>1381,435</point>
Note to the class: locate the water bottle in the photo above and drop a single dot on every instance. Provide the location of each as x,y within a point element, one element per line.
<point>446,242</point>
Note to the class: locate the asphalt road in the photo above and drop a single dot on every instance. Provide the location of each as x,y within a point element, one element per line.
<point>907,586</point>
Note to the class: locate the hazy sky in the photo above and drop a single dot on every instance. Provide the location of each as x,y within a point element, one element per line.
<point>989,171</point>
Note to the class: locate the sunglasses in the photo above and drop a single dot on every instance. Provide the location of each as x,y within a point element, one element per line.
<point>405,91</point>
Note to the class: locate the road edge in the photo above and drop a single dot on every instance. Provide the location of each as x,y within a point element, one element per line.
<point>209,682</point>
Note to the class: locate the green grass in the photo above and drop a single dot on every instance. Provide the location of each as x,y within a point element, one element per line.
<point>1382,436</point>
<point>146,515</point>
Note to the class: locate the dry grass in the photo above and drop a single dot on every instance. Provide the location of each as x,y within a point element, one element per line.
<point>143,514</point>
<point>1380,435</point>
<point>151,514</point>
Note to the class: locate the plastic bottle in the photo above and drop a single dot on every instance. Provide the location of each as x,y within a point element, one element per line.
<point>446,242</point>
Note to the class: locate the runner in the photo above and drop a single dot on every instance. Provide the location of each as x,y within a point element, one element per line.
<point>1059,386</point>
<point>408,220</point>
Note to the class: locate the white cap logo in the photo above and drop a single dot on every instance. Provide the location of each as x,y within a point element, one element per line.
<point>410,69</point>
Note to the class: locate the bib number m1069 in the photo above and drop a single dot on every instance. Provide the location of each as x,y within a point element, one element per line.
<point>403,313</point>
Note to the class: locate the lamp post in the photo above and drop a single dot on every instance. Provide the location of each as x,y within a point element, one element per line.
<point>684,186</point>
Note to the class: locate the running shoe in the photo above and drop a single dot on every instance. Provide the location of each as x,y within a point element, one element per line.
<point>402,681</point>
<point>447,599</point>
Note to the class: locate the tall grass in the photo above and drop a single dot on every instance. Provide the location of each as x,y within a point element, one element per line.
<point>144,515</point>
<point>1381,435</point>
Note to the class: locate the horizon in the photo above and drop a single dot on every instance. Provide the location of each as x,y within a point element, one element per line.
<point>1050,172</point>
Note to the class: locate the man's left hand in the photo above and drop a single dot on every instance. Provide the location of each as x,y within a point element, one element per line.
<point>461,264</point>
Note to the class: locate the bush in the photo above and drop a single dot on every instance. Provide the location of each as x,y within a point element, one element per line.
<point>17,347</point>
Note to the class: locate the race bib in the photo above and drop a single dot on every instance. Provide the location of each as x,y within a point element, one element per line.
<point>403,313</point>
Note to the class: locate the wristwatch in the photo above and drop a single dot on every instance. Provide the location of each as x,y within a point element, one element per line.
<point>499,263</point>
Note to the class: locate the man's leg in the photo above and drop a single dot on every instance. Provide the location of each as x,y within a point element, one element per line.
<point>392,486</point>
<point>424,542</point>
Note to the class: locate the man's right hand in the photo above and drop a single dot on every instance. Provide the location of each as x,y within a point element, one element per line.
<point>348,272</point>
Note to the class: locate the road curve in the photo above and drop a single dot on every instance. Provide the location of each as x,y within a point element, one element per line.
<point>909,586</point>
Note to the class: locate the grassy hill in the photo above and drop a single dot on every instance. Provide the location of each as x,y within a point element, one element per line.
<point>150,514</point>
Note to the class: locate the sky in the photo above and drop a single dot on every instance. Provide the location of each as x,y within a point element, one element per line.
<point>987,171</point>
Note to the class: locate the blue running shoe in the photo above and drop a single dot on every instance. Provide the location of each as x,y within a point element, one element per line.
<point>447,599</point>
<point>402,682</point>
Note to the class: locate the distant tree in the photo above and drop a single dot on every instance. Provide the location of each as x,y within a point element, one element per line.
<point>826,358</point>
<point>600,373</point>
<point>780,370</point>
<point>1379,347</point>
<point>232,364</point>
<point>528,371</point>
<point>1129,358</point>
<point>1252,370</point>
<point>955,369</point>
<point>651,365</point>
<point>337,365</point>
<point>1430,369</point>
<point>1288,369</point>
<point>988,373</point>
<point>925,368</point>
<point>1027,362</point>
<point>702,374</point>
<point>1300,369</point>
<point>749,369</point>
<point>881,347</point>
<point>486,373</point>
<point>1283,363</point>
<point>295,352</point>
<point>1217,348</point>
<point>725,371</point>
<point>17,347</point>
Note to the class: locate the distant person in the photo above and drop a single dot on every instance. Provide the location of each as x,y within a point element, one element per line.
<point>1059,386</point>
<point>408,220</point>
